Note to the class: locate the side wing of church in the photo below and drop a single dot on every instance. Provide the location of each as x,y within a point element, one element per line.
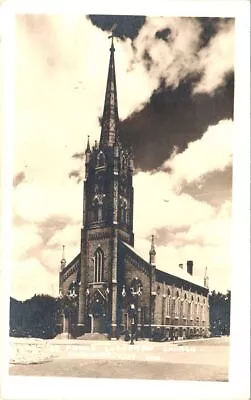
<point>115,289</point>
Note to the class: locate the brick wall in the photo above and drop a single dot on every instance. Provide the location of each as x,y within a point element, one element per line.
<point>104,240</point>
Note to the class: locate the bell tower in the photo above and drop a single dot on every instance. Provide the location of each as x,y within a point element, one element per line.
<point>107,216</point>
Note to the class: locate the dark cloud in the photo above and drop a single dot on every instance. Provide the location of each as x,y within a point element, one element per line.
<point>174,118</point>
<point>126,25</point>
<point>76,174</point>
<point>19,178</point>
<point>210,27</point>
<point>163,34</point>
<point>215,188</point>
<point>79,155</point>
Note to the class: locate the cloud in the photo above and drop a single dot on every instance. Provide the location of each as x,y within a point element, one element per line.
<point>207,242</point>
<point>213,152</point>
<point>76,174</point>
<point>24,238</point>
<point>31,278</point>
<point>36,202</point>
<point>217,59</point>
<point>171,51</point>
<point>81,156</point>
<point>18,178</point>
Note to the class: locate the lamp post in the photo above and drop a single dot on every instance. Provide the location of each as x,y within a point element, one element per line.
<point>133,294</point>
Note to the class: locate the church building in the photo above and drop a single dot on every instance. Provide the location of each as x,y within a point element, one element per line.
<point>113,288</point>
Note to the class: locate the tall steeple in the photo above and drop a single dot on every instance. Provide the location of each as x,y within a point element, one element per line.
<point>109,130</point>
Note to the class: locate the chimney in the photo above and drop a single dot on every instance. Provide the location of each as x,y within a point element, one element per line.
<point>190,267</point>
<point>181,266</point>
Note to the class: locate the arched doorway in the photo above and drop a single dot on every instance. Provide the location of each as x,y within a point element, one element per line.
<point>97,319</point>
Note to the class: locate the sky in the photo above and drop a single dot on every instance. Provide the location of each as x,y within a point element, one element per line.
<point>175,82</point>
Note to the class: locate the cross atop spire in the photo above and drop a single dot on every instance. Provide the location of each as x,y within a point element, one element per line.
<point>110,120</point>
<point>112,48</point>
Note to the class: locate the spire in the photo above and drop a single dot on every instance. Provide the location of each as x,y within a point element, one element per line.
<point>206,279</point>
<point>88,149</point>
<point>109,130</point>
<point>152,252</point>
<point>63,260</point>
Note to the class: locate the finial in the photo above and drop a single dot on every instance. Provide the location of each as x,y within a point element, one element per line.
<point>152,243</point>
<point>112,36</point>
<point>88,144</point>
<point>152,252</point>
<point>112,45</point>
<point>206,279</point>
<point>63,260</point>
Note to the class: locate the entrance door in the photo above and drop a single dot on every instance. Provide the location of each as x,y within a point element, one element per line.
<point>96,324</point>
<point>99,324</point>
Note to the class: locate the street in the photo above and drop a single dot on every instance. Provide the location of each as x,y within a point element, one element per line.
<point>205,360</point>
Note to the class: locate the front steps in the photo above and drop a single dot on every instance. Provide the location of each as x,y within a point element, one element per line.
<point>93,336</point>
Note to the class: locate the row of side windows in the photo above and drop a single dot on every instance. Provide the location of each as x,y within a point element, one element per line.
<point>186,308</point>
<point>190,297</point>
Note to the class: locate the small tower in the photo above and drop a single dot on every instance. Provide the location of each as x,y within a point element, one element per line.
<point>206,279</point>
<point>87,156</point>
<point>63,260</point>
<point>152,252</point>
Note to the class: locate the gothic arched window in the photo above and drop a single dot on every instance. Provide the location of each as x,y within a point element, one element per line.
<point>99,266</point>
<point>123,212</point>
<point>98,208</point>
<point>100,160</point>
<point>123,163</point>
<point>95,210</point>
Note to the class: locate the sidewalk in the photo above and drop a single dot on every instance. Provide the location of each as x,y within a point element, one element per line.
<point>38,351</point>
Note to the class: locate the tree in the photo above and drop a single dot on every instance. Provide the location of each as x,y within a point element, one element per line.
<point>35,317</point>
<point>219,313</point>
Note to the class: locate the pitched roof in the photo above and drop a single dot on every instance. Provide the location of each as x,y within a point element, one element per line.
<point>164,275</point>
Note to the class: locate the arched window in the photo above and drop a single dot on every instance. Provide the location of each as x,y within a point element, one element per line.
<point>123,163</point>
<point>192,309</point>
<point>98,208</point>
<point>123,211</point>
<point>177,304</point>
<point>72,289</point>
<point>100,160</point>
<point>99,266</point>
<point>168,303</point>
<point>95,210</point>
